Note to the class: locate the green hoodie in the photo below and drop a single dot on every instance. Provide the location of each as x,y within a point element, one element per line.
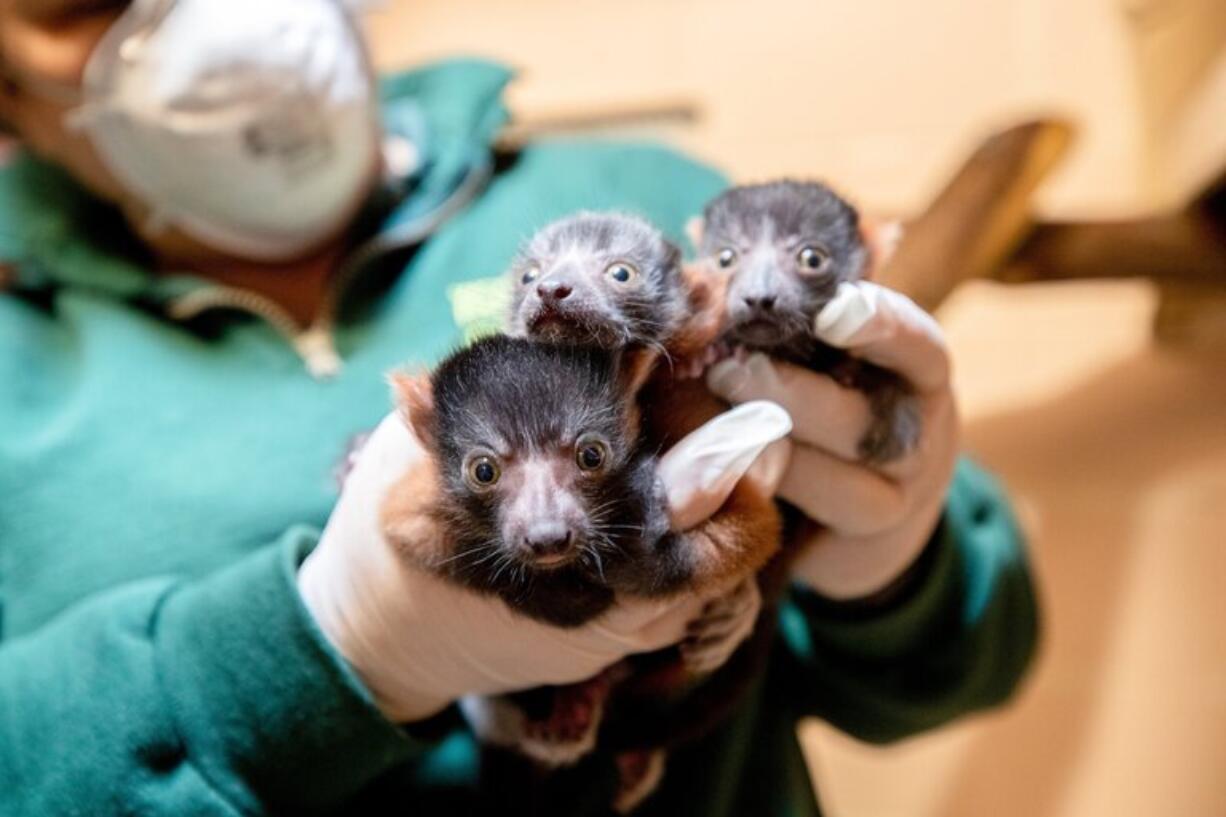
<point>165,460</point>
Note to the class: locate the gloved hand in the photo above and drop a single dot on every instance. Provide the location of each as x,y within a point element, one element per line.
<point>875,520</point>
<point>418,642</point>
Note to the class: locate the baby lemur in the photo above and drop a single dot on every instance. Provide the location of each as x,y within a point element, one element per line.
<point>541,489</point>
<point>786,246</point>
<point>613,279</point>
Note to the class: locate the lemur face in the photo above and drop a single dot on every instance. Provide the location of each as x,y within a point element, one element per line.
<point>786,247</point>
<point>538,459</point>
<point>604,278</point>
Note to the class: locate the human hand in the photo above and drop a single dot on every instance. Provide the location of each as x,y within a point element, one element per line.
<point>419,641</point>
<point>874,520</point>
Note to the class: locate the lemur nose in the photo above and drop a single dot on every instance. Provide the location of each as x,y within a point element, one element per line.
<point>761,303</point>
<point>547,539</point>
<point>554,290</point>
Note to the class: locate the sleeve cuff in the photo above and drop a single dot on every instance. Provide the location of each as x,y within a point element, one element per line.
<point>885,625</point>
<point>951,581</point>
<point>267,710</point>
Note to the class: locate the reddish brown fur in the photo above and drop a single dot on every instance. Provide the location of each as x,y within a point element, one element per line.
<point>705,324</point>
<point>738,540</point>
<point>408,517</point>
<point>746,531</point>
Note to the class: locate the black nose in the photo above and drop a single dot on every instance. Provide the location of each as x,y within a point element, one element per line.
<point>554,290</point>
<point>760,303</point>
<point>547,539</point>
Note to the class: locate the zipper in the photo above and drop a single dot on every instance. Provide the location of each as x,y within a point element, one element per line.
<point>316,344</point>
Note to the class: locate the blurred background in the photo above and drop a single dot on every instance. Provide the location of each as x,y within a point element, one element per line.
<point>1090,348</point>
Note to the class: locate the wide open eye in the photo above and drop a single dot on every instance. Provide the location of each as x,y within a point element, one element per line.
<point>622,272</point>
<point>812,258</point>
<point>530,274</point>
<point>727,257</point>
<point>591,455</point>
<point>482,472</point>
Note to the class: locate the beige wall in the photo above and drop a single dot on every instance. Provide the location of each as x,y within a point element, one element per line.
<point>882,96</point>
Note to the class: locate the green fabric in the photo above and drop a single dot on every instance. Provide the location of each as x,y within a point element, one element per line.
<point>160,482</point>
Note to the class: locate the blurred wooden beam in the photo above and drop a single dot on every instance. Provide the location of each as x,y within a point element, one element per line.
<point>1181,247</point>
<point>980,216</point>
<point>666,112</point>
<point>1210,203</point>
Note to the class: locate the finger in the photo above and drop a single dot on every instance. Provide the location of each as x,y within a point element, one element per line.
<point>640,625</point>
<point>665,630</point>
<point>768,469</point>
<point>842,566</point>
<point>850,498</point>
<point>847,564</point>
<point>937,444</point>
<point>824,414</point>
<point>700,471</point>
<point>886,328</point>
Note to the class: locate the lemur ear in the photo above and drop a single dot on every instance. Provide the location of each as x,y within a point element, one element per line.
<point>414,398</point>
<point>634,365</point>
<point>881,237</point>
<point>693,231</point>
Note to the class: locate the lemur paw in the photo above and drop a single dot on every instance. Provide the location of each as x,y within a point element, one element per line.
<point>894,434</point>
<point>639,774</point>
<point>713,637</point>
<point>570,731</point>
<point>561,739</point>
<point>716,352</point>
<point>691,369</point>
<point>694,368</point>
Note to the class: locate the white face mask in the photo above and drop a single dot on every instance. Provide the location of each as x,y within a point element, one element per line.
<point>250,125</point>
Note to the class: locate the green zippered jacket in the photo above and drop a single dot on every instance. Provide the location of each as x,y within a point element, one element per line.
<point>165,465</point>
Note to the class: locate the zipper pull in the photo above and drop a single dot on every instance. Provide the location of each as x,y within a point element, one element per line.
<point>318,351</point>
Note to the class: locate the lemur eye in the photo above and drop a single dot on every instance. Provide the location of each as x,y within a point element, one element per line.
<point>621,272</point>
<point>727,257</point>
<point>530,274</point>
<point>482,472</point>
<point>812,259</point>
<point>591,454</point>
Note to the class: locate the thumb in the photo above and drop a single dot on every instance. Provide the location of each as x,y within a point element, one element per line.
<point>887,328</point>
<point>701,470</point>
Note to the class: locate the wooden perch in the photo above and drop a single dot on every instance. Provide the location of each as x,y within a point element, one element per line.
<point>1187,247</point>
<point>1210,205</point>
<point>1182,247</point>
<point>980,216</point>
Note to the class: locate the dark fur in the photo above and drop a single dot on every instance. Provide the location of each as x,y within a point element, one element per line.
<point>766,225</point>
<point>667,310</point>
<point>514,396</point>
<point>647,311</point>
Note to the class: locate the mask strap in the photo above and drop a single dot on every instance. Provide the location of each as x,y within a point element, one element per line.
<point>362,6</point>
<point>157,222</point>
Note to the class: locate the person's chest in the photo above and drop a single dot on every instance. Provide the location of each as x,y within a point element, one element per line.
<point>133,446</point>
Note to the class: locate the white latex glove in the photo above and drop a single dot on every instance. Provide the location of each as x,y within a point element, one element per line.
<point>876,520</point>
<point>418,642</point>
<point>702,469</point>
